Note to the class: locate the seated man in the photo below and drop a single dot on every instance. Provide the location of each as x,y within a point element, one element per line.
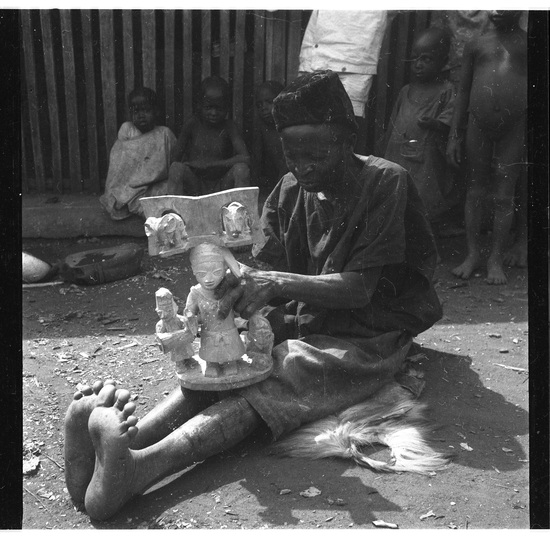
<point>140,159</point>
<point>211,155</point>
<point>353,258</point>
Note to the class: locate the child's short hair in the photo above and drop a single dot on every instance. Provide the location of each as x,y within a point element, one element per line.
<point>215,82</point>
<point>147,94</point>
<point>273,86</point>
<point>439,37</point>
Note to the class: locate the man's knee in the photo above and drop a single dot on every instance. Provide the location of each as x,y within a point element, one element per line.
<point>241,174</point>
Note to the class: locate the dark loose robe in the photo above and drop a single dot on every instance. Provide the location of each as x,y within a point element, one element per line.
<point>336,358</point>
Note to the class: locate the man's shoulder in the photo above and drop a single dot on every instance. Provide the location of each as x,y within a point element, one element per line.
<point>382,177</point>
<point>381,168</point>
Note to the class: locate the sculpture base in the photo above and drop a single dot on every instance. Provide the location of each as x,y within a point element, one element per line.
<point>249,371</point>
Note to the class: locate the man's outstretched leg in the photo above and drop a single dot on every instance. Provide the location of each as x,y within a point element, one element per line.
<point>79,452</point>
<point>121,473</point>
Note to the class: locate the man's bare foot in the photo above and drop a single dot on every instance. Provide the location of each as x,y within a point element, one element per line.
<point>112,430</point>
<point>79,450</point>
<point>516,256</point>
<point>466,269</point>
<point>495,273</point>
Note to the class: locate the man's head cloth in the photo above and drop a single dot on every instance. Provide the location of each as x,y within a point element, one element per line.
<point>317,98</point>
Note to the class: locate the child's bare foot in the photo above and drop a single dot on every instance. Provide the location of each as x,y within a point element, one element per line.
<point>495,272</point>
<point>516,256</point>
<point>466,269</point>
<point>112,430</point>
<point>79,450</point>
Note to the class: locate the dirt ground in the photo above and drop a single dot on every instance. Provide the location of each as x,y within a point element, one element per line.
<point>475,368</point>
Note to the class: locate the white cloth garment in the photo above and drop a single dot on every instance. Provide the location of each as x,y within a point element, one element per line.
<point>348,43</point>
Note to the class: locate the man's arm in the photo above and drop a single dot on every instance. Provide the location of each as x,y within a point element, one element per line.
<point>346,290</point>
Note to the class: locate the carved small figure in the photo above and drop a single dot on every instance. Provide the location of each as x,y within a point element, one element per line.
<point>259,339</point>
<point>236,221</point>
<point>174,332</point>
<point>170,235</point>
<point>221,346</point>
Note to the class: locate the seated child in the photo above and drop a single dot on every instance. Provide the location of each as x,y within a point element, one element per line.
<point>140,159</point>
<point>211,155</point>
<point>419,124</point>
<point>269,161</point>
<point>489,123</point>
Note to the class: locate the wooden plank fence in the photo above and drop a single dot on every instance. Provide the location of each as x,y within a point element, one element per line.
<point>79,66</point>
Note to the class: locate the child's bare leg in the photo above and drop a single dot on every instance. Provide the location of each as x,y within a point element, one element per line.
<point>508,154</point>
<point>238,176</point>
<point>121,473</point>
<point>479,154</point>
<point>175,180</point>
<point>188,184</point>
<point>516,256</point>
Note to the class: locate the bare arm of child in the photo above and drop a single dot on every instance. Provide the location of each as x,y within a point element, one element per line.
<point>180,148</point>
<point>459,122</point>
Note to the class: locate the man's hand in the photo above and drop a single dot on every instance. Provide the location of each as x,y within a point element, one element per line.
<point>454,151</point>
<point>426,122</point>
<point>247,295</point>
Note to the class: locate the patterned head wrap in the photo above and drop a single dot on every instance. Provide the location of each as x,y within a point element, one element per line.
<point>313,99</point>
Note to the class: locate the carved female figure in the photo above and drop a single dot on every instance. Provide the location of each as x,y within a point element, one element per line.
<point>221,346</point>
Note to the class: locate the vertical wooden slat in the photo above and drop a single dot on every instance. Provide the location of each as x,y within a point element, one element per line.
<point>224,43</point>
<point>259,51</point>
<point>269,28</point>
<point>238,69</point>
<point>293,42</point>
<point>169,23</point>
<point>279,45</point>
<point>92,182</point>
<point>53,107</point>
<point>128,51</point>
<point>206,38</point>
<point>148,48</point>
<point>32,97</point>
<point>75,179</point>
<point>421,22</point>
<point>401,53</point>
<point>108,77</point>
<point>25,187</point>
<point>259,46</point>
<point>187,65</point>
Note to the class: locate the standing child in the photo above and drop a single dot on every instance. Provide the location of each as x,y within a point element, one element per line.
<point>419,125</point>
<point>269,161</point>
<point>140,159</point>
<point>490,120</point>
<point>211,154</point>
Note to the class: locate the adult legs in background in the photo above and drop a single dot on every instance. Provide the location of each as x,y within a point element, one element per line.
<point>479,153</point>
<point>508,156</point>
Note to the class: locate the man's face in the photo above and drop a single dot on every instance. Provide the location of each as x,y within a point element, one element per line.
<point>214,106</point>
<point>143,114</point>
<point>314,155</point>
